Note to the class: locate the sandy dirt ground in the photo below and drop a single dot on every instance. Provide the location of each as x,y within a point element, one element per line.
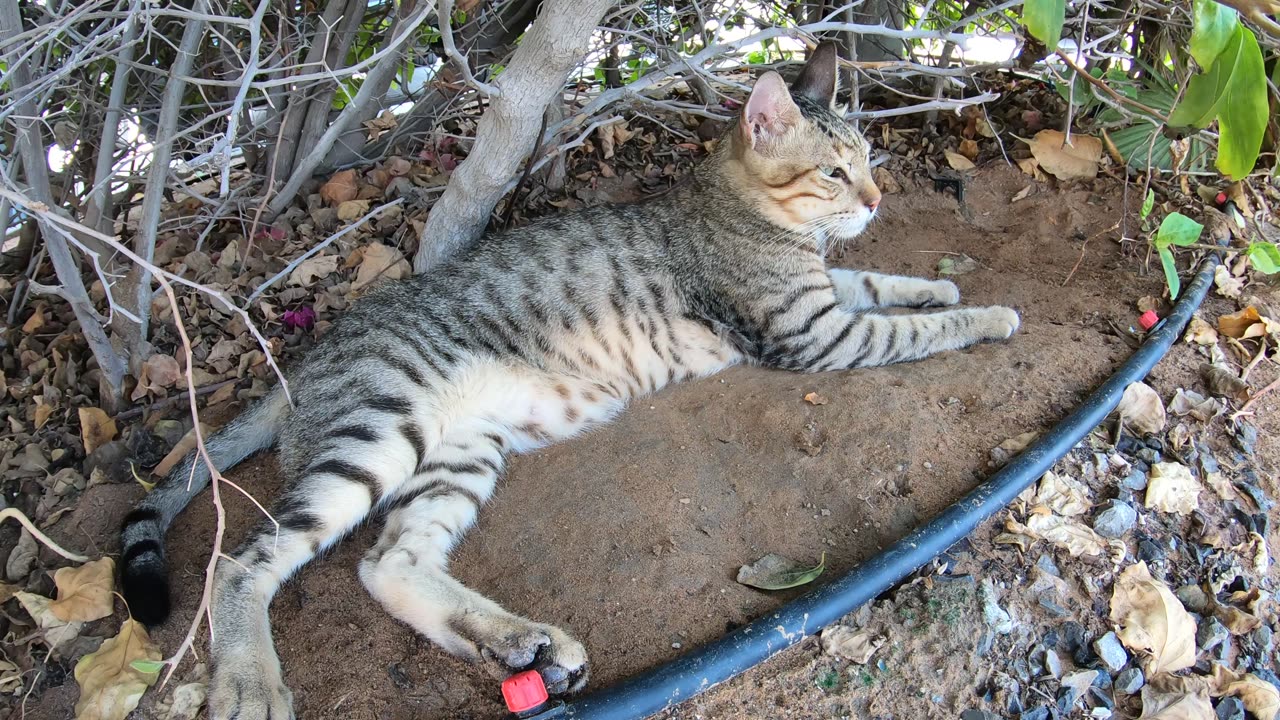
<point>630,537</point>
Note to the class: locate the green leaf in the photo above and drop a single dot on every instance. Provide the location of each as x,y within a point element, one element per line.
<point>1044,19</point>
<point>1213,26</point>
<point>1242,119</point>
<point>1147,204</point>
<point>1170,272</point>
<point>774,572</point>
<point>1264,257</point>
<point>1177,229</point>
<point>1206,90</point>
<point>147,667</point>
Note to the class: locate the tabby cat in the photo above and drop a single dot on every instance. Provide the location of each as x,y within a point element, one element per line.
<point>409,405</point>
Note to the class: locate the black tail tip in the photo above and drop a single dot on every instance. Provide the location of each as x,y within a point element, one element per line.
<point>146,590</point>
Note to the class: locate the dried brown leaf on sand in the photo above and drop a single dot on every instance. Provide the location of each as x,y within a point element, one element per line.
<point>110,685</point>
<point>1062,494</point>
<point>1152,621</point>
<point>775,572</point>
<point>958,161</point>
<point>85,592</point>
<point>814,398</point>
<point>1224,382</point>
<point>855,645</point>
<point>1077,161</point>
<point>379,261</point>
<point>1227,285</point>
<point>1141,409</point>
<point>96,428</point>
<point>340,188</point>
<point>312,269</point>
<point>1260,697</point>
<point>1244,324</point>
<point>1189,402</point>
<point>1171,488</point>
<point>1201,332</point>
<point>1175,706</point>
<point>57,632</point>
<point>1075,538</point>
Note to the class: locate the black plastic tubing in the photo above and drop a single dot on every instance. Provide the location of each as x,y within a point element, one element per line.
<point>702,669</point>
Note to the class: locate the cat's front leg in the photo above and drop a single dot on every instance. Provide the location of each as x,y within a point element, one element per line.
<point>839,339</point>
<point>858,290</point>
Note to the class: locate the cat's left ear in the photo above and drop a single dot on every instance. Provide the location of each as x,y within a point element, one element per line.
<point>820,77</point>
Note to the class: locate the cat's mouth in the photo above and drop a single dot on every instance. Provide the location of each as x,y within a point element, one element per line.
<point>846,226</point>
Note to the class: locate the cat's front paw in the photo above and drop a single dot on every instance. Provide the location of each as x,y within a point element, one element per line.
<point>942,292</point>
<point>997,323</point>
<point>248,691</point>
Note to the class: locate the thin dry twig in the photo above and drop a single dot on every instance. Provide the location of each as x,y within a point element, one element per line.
<point>25,522</point>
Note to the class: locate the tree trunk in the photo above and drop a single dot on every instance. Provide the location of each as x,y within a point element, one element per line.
<point>508,130</point>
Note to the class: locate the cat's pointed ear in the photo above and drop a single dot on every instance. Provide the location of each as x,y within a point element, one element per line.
<point>820,77</point>
<point>770,111</point>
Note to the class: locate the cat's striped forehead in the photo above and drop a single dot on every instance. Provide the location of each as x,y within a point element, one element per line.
<point>831,124</point>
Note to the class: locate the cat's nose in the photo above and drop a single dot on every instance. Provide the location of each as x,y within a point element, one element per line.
<point>871,198</point>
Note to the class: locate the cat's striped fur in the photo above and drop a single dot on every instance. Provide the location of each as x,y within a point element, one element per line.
<point>409,405</point>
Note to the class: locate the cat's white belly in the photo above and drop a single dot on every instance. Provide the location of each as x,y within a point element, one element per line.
<point>534,407</point>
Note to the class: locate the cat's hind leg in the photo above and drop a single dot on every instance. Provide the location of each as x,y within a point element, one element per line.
<point>407,570</point>
<point>858,290</point>
<point>351,467</point>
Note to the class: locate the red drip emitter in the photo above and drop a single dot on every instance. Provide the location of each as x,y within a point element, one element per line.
<point>525,693</point>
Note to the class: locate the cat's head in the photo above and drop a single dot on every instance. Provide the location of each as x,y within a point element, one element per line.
<point>797,159</point>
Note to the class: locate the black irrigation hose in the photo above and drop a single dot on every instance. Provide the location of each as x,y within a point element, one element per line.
<point>748,646</point>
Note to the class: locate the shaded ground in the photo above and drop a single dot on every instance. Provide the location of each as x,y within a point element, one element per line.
<point>631,536</point>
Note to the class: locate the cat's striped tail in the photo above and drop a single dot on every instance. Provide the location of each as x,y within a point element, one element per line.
<point>144,573</point>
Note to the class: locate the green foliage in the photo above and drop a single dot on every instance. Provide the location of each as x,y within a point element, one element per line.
<point>1044,19</point>
<point>828,680</point>
<point>1214,24</point>
<point>1264,257</point>
<point>1148,203</point>
<point>1234,92</point>
<point>1175,229</point>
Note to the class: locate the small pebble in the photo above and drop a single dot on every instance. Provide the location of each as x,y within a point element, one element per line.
<point>1150,552</point>
<point>1046,563</point>
<point>1129,681</point>
<point>1230,708</point>
<point>1148,455</point>
<point>1116,519</point>
<point>676,645</point>
<point>1135,480</point>
<point>1111,652</point>
<point>977,715</point>
<point>1052,664</point>
<point>1072,636</point>
<point>1193,598</point>
<point>1039,713</point>
<point>997,618</point>
<point>1211,633</point>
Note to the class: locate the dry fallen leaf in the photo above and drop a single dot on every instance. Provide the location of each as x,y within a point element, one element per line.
<point>85,592</point>
<point>379,261</point>
<point>96,428</point>
<point>1244,324</point>
<point>1224,382</point>
<point>1175,706</point>
<point>352,209</point>
<point>1260,697</point>
<point>1227,285</point>
<point>1201,332</point>
<point>179,451</point>
<point>385,122</point>
<point>1075,538</point>
<point>110,686</point>
<point>969,149</point>
<point>958,161</point>
<point>1152,621</point>
<point>1062,494</point>
<point>340,188</point>
<point>775,572</point>
<point>1171,488</point>
<point>312,269</point>
<point>1189,402</point>
<point>57,632</point>
<point>854,645</point>
<point>1141,409</point>
<point>814,398</point>
<point>1005,451</point>
<point>1077,161</point>
<point>10,678</point>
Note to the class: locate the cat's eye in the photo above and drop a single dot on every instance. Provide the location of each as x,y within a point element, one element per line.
<point>833,172</point>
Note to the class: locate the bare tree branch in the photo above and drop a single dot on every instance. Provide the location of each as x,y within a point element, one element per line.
<point>508,130</point>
